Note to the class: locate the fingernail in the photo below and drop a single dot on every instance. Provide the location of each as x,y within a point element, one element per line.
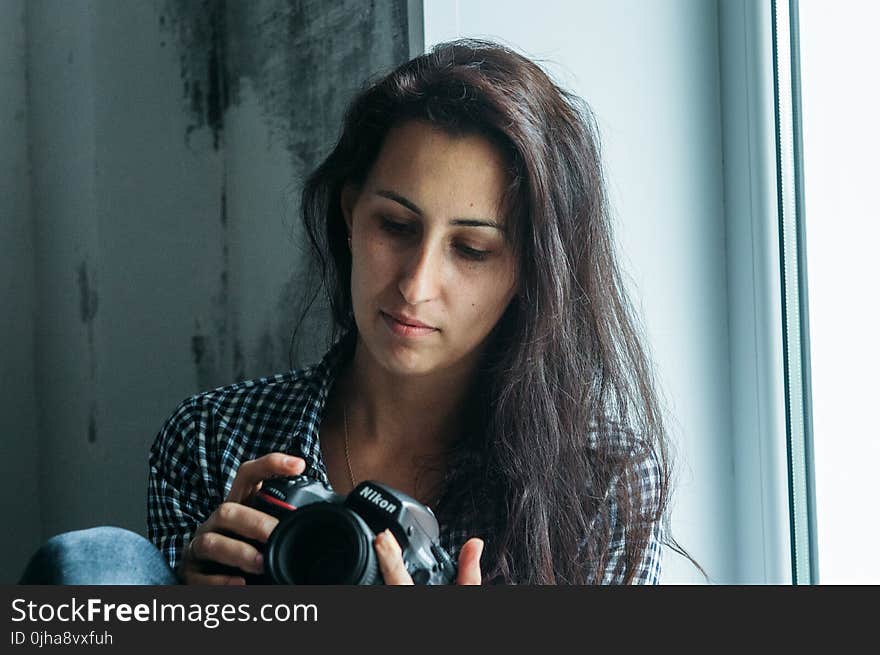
<point>258,561</point>
<point>290,462</point>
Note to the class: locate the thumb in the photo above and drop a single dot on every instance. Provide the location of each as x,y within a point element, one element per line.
<point>469,562</point>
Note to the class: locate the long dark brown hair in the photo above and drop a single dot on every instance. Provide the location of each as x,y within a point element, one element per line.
<point>565,421</point>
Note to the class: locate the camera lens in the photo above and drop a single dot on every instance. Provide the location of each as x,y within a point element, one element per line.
<point>321,543</point>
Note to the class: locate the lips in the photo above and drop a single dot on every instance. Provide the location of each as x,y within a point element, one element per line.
<point>406,330</point>
<point>406,320</point>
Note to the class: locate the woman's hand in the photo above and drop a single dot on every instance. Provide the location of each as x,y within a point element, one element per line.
<point>394,572</point>
<point>215,541</point>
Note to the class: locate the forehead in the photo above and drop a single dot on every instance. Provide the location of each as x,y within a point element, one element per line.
<point>444,174</point>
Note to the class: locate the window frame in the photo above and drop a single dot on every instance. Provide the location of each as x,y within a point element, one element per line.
<point>754,300</point>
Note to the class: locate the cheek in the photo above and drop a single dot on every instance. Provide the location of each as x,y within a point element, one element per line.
<point>483,291</point>
<point>486,303</point>
<point>372,263</point>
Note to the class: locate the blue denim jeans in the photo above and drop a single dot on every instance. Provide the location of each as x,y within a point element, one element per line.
<point>104,555</point>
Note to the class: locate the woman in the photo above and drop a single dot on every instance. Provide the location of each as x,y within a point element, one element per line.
<point>485,359</point>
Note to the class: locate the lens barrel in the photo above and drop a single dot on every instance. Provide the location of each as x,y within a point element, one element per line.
<point>322,543</point>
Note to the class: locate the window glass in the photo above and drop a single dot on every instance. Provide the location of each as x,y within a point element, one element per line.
<point>839,57</point>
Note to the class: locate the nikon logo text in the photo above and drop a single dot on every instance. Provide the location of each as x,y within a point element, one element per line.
<point>376,498</point>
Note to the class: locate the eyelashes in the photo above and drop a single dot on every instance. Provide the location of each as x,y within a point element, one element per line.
<point>393,227</point>
<point>471,253</point>
<point>403,230</point>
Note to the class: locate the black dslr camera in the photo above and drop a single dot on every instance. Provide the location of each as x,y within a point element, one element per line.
<point>325,538</point>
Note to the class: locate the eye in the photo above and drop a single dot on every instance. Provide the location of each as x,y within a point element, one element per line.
<point>472,253</point>
<point>393,227</point>
<point>405,229</point>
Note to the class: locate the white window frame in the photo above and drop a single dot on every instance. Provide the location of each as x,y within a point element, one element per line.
<point>758,393</point>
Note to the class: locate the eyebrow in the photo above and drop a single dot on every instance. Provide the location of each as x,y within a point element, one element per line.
<point>413,207</point>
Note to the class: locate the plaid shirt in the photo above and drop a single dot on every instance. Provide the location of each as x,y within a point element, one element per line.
<point>198,450</point>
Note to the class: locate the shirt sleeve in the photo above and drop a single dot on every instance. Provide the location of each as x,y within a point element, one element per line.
<point>178,498</point>
<point>648,474</point>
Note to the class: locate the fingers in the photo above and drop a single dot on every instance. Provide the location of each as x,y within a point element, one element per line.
<point>394,571</point>
<point>253,472</point>
<point>213,542</point>
<point>469,563</point>
<point>220,540</point>
<point>214,547</point>
<point>391,560</point>
<point>242,520</point>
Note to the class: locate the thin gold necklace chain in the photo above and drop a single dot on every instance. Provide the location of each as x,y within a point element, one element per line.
<point>347,457</point>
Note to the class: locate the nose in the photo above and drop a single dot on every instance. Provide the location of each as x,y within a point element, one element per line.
<point>420,280</point>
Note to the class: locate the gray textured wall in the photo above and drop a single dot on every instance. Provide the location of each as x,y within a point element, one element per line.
<point>19,449</point>
<point>160,254</point>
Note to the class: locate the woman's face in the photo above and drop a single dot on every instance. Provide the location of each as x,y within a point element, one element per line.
<point>428,246</point>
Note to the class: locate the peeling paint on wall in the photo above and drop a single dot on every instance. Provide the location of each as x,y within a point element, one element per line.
<point>204,355</point>
<point>303,58</point>
<point>88,310</point>
<point>93,424</point>
<point>200,29</point>
<point>217,353</point>
<point>88,297</point>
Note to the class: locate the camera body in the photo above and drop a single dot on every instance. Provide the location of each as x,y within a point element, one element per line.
<point>326,538</point>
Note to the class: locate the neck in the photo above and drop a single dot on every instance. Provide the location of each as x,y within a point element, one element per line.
<point>414,414</point>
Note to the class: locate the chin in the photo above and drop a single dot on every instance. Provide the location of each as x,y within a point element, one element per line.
<point>406,362</point>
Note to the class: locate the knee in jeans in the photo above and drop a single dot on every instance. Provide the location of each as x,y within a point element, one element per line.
<point>99,555</point>
<point>104,538</point>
